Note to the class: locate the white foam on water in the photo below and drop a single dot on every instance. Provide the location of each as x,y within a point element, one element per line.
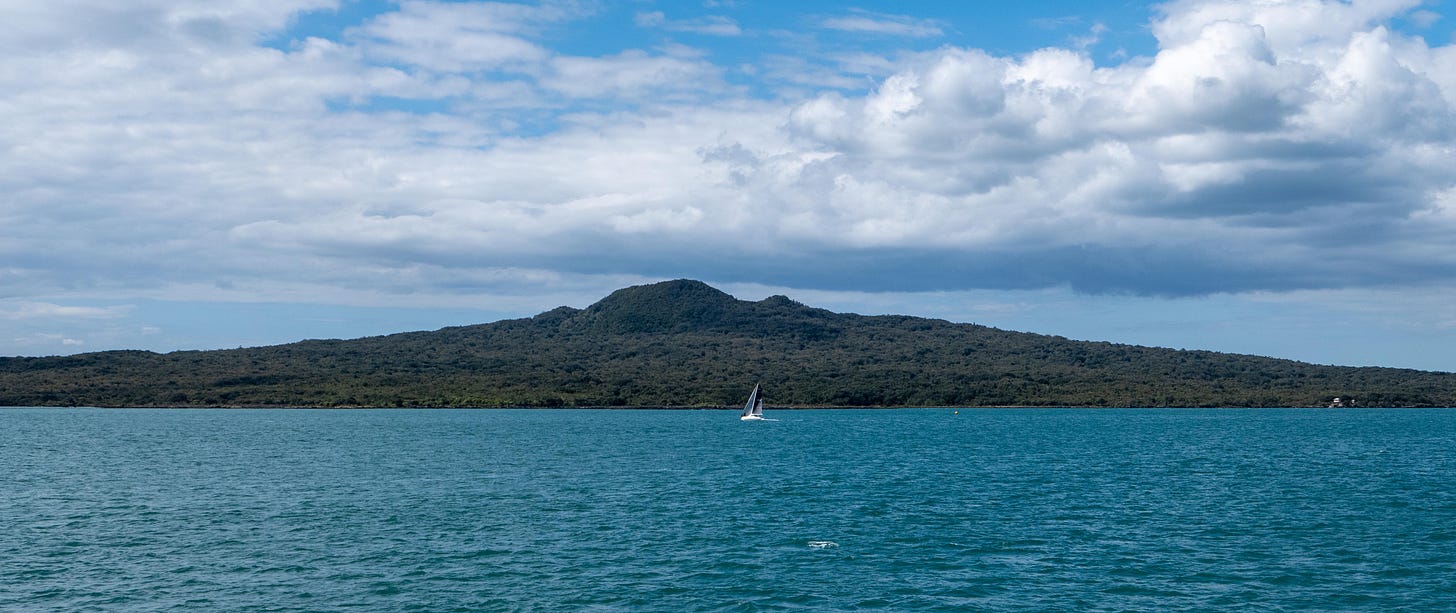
<point>822,544</point>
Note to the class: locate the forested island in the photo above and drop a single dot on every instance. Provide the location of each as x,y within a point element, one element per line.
<point>686,344</point>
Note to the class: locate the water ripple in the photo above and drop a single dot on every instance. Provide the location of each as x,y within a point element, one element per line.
<point>1281,510</point>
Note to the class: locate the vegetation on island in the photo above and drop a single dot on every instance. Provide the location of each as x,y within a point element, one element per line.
<point>686,344</point>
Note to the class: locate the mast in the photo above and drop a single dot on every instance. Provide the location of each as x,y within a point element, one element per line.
<point>753,402</point>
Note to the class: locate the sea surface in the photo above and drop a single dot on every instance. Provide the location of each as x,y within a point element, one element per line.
<point>605,510</point>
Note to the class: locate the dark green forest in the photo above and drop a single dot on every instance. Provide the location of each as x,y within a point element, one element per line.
<point>686,344</point>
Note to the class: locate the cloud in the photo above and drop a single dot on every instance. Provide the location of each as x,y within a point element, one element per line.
<point>1240,154</point>
<point>1291,26</point>
<point>42,339</point>
<point>37,28</point>
<point>1265,146</point>
<point>50,311</point>
<point>1093,36</point>
<point>865,22</point>
<point>713,25</point>
<point>442,36</point>
<point>630,74</point>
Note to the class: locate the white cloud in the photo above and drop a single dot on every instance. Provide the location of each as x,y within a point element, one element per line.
<point>1292,26</point>
<point>865,22</point>
<point>139,160</point>
<point>42,339</point>
<point>1092,37</point>
<point>42,28</point>
<point>51,311</point>
<point>630,74</point>
<point>1225,79</point>
<point>1236,134</point>
<point>714,25</point>
<point>451,37</point>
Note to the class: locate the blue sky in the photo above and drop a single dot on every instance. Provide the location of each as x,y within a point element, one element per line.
<point>1268,177</point>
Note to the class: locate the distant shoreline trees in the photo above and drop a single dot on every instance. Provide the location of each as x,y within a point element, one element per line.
<point>686,344</point>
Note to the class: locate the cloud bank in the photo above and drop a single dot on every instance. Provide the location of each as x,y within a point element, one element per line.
<point>446,148</point>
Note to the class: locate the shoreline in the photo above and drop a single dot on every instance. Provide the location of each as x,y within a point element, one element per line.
<point>680,408</point>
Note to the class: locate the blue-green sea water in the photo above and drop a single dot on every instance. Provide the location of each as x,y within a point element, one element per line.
<point>899,510</point>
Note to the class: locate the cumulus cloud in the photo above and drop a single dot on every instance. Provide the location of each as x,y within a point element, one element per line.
<point>1292,26</point>
<point>1256,149</point>
<point>1265,146</point>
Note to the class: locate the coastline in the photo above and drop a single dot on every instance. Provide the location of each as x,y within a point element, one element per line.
<point>686,408</point>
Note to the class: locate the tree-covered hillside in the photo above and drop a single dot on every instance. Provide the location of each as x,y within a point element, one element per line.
<point>683,343</point>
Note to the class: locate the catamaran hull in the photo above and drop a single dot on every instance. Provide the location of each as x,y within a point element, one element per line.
<point>751,418</point>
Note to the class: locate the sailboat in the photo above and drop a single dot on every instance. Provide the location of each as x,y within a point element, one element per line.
<point>753,410</point>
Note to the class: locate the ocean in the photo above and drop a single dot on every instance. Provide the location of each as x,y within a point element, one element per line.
<point>822,510</point>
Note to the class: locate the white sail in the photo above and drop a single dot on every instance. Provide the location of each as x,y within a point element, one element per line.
<point>753,409</point>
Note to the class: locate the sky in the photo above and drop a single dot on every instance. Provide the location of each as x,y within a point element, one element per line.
<point>1271,177</point>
